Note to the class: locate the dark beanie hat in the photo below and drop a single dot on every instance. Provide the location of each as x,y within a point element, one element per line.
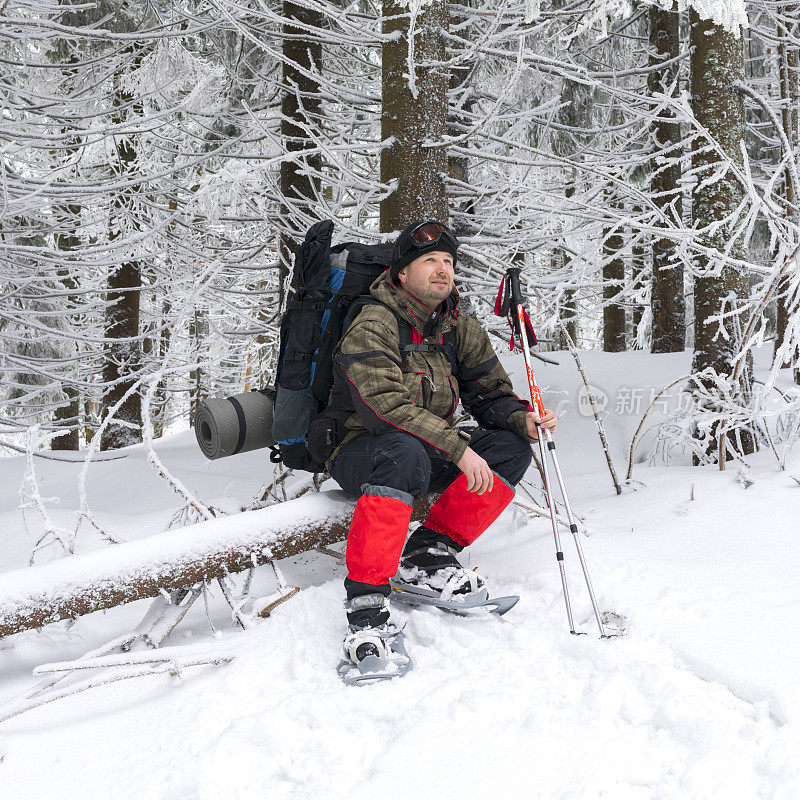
<point>406,248</point>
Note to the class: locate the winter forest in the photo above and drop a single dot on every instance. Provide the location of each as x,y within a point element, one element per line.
<point>160,164</point>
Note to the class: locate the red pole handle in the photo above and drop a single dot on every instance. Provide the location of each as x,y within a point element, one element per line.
<point>515,293</point>
<point>536,395</point>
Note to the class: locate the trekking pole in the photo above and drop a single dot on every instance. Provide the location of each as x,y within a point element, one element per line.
<point>518,320</point>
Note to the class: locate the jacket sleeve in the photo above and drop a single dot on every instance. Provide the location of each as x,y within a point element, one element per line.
<point>370,361</point>
<point>485,388</point>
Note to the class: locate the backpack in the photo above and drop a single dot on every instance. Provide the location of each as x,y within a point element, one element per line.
<point>330,287</point>
<point>326,280</point>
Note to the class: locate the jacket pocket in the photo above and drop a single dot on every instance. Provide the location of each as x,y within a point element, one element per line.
<point>428,388</point>
<point>415,386</point>
<point>454,393</point>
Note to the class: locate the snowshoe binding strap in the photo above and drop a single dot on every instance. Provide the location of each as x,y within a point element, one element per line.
<point>367,611</point>
<point>462,581</point>
<point>438,549</point>
<point>435,566</point>
<point>379,653</point>
<point>362,601</point>
<point>359,644</point>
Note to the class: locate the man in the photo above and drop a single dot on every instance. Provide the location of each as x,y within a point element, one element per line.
<point>401,442</point>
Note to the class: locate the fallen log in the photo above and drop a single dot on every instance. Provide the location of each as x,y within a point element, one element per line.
<point>76,585</point>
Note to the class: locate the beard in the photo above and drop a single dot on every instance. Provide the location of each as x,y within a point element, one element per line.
<point>432,295</point>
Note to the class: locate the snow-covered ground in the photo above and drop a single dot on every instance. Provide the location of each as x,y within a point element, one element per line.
<point>701,698</point>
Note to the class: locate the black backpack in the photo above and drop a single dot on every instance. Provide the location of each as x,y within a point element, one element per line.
<point>330,286</point>
<point>326,282</point>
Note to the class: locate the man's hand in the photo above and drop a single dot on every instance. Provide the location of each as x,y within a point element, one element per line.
<point>479,476</point>
<point>548,421</point>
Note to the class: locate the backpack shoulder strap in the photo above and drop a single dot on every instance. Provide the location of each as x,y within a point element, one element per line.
<point>410,340</point>
<point>355,309</point>
<point>446,346</point>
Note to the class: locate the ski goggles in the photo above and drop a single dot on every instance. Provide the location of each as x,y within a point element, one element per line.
<point>427,234</point>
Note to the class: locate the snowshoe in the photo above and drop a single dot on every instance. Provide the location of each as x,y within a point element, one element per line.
<point>374,649</point>
<point>374,654</point>
<point>446,582</point>
<point>464,604</point>
<point>430,574</point>
<point>429,561</point>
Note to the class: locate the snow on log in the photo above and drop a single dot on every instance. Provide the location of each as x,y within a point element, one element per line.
<point>81,584</point>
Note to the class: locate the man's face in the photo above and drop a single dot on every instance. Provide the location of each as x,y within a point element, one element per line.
<point>429,278</point>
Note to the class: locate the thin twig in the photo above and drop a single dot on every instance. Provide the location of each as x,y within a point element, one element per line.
<point>92,683</point>
<point>243,624</point>
<point>47,457</point>
<point>265,612</point>
<point>641,422</point>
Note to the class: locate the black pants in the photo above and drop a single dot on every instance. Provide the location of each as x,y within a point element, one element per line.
<point>399,460</point>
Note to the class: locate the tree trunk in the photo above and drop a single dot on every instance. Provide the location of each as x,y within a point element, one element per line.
<point>790,98</point>
<point>414,114</point>
<point>462,80</point>
<point>667,300</point>
<point>300,110</point>
<point>639,274</point>
<point>123,359</point>
<point>568,306</point>
<point>77,585</point>
<point>67,416</point>
<point>198,332</point>
<point>159,409</point>
<point>717,63</point>
<point>66,238</point>
<point>613,281</point>
<point>566,303</point>
<point>569,315</point>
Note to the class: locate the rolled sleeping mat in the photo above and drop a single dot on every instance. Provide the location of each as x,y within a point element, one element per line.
<point>225,426</point>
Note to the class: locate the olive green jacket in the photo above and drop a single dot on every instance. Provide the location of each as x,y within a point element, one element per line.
<point>418,392</point>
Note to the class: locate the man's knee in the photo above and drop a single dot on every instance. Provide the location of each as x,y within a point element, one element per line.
<point>507,453</point>
<point>520,457</point>
<point>402,463</point>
